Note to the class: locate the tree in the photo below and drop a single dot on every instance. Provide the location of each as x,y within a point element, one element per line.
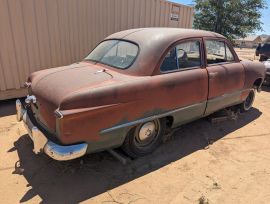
<point>231,18</point>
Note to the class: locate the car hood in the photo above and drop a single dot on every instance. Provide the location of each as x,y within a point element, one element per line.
<point>53,85</point>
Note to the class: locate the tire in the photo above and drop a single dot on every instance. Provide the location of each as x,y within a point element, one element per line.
<point>247,104</point>
<point>144,138</point>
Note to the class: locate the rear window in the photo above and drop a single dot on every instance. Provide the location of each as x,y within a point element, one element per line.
<point>116,53</point>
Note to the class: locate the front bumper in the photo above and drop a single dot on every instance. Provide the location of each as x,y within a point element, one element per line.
<point>267,77</point>
<point>42,144</point>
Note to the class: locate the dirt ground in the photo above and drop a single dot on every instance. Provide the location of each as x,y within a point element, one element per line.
<point>234,168</point>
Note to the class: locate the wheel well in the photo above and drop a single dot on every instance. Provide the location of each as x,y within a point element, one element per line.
<point>169,121</point>
<point>257,84</point>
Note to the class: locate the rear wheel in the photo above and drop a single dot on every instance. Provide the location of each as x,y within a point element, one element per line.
<point>247,104</point>
<point>144,138</point>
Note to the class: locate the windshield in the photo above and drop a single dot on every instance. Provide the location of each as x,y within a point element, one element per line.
<point>115,53</point>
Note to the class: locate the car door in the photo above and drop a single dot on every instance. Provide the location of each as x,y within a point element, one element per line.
<point>226,75</point>
<point>183,74</point>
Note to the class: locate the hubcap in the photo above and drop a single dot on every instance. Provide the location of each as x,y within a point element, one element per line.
<point>249,100</point>
<point>146,133</point>
<point>147,130</point>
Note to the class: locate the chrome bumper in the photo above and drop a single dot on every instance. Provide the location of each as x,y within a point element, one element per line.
<point>42,144</point>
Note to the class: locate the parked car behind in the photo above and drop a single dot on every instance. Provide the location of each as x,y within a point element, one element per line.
<point>263,51</point>
<point>132,87</point>
<point>267,75</point>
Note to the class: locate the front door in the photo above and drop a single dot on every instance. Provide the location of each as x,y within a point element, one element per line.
<point>226,75</point>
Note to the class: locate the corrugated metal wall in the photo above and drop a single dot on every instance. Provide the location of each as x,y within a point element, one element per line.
<point>39,34</point>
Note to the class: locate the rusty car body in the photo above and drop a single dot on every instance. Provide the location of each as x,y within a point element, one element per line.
<point>131,87</point>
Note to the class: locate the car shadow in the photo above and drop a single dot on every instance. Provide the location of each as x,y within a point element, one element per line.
<point>81,179</point>
<point>7,107</point>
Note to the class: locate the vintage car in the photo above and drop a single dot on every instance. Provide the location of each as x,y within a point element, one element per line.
<point>132,87</point>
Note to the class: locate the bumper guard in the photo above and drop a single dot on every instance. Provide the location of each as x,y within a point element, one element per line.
<point>42,144</point>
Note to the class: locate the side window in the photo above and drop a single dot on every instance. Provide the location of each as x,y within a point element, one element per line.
<point>184,55</point>
<point>218,52</point>
<point>170,62</point>
<point>188,54</point>
<point>229,55</point>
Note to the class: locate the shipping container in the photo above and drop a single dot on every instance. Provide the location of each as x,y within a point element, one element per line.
<point>40,34</point>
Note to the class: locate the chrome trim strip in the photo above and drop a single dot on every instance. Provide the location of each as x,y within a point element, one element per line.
<point>143,120</point>
<point>42,144</point>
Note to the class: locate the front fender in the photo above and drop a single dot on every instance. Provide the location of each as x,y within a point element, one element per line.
<point>254,72</point>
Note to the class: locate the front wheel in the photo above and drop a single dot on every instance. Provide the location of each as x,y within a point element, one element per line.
<point>144,138</point>
<point>247,104</point>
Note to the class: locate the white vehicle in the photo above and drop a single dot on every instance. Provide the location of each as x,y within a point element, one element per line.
<point>267,67</point>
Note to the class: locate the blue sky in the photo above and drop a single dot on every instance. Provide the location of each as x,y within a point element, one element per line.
<point>265,16</point>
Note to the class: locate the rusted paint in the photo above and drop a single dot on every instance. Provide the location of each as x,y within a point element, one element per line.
<point>91,101</point>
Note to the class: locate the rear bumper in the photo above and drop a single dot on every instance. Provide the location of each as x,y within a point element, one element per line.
<point>42,144</point>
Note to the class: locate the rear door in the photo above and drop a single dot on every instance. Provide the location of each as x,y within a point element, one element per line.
<point>185,79</point>
<point>226,75</point>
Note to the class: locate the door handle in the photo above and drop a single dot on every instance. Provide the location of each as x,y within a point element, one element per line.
<point>213,75</point>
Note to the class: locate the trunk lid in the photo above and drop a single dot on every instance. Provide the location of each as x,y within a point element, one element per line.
<point>54,84</point>
<point>51,86</point>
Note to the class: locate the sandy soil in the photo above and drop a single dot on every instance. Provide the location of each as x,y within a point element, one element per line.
<point>235,168</point>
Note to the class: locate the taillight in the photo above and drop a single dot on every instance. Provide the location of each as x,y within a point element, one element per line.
<point>58,114</point>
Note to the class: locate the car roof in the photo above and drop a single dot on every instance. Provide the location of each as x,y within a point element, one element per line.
<point>140,34</point>
<point>153,42</point>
